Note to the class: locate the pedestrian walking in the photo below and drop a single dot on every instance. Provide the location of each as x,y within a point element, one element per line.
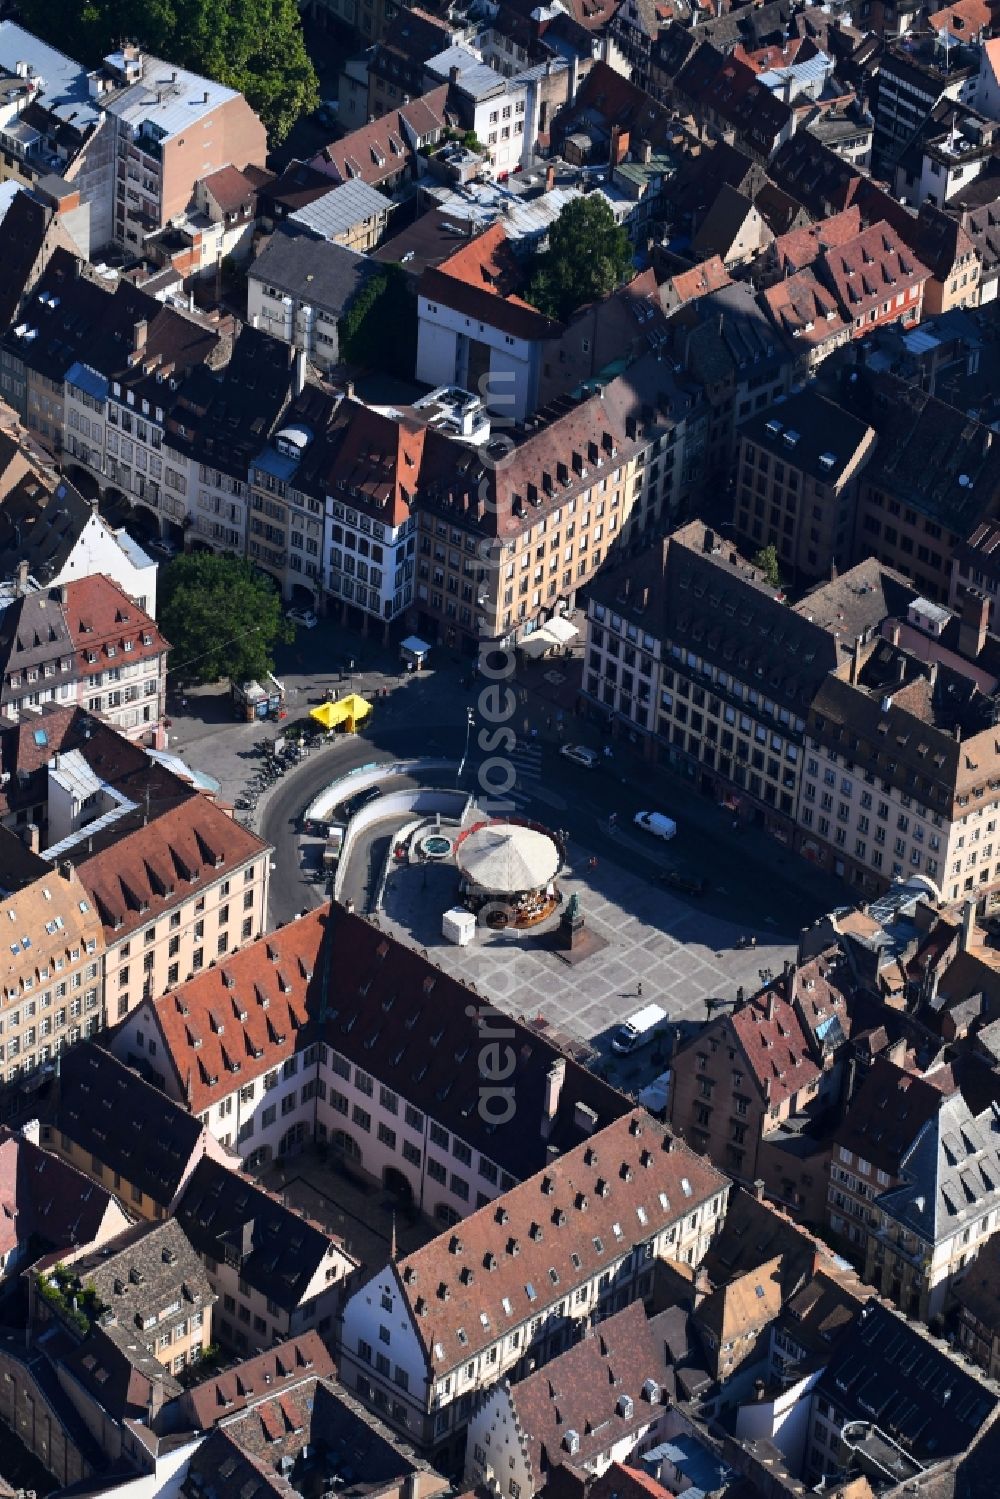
<point>591,863</point>
<point>638,989</point>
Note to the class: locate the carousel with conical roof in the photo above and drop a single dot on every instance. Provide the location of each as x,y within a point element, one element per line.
<point>508,871</point>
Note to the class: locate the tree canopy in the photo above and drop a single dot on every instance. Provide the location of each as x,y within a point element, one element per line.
<point>588,255</point>
<point>222,617</point>
<point>766,560</point>
<point>379,329</point>
<point>256,46</point>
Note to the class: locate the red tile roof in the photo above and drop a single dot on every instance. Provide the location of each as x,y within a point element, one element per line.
<point>965,19</point>
<point>803,307</point>
<point>103,620</point>
<point>237,1021</point>
<point>377,460</point>
<point>512,1258</point>
<point>214,1400</point>
<point>776,1045</point>
<point>481,279</point>
<point>873,268</point>
<point>801,247</point>
<point>158,865</point>
<point>711,275</point>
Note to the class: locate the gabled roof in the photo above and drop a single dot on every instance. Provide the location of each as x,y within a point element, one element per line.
<point>278,1252</point>
<point>287,1364</point>
<point>142,1272</point>
<point>744,1305</point>
<point>379,150</point>
<point>45,1198</point>
<point>730,90</point>
<point>523,1253</point>
<point>887,1113</point>
<point>148,868</point>
<point>801,247</point>
<point>804,308</point>
<point>415,1028</point>
<point>102,619</point>
<point>873,268</point>
<point>482,279</point>
<point>951,1172</point>
<point>109,1112</point>
<point>776,1044</point>
<point>235,1022</point>
<point>706,277</point>
<point>605,1388</point>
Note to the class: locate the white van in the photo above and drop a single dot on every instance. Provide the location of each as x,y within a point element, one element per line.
<point>638,1029</point>
<point>657,824</point>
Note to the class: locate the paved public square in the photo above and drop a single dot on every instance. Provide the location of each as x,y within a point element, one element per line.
<point>679,955</point>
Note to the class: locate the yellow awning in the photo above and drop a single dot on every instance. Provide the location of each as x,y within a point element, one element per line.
<point>349,712</point>
<point>327,714</point>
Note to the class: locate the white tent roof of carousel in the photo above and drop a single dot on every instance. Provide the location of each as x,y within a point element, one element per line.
<point>506,857</point>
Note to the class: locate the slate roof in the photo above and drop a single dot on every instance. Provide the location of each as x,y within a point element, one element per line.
<point>328,275</point>
<point>886,1370</point>
<point>397,1016</point>
<point>824,430</point>
<point>825,1307</point>
<point>886,1114</point>
<point>230,1219</point>
<point>41,520</point>
<point>142,1272</point>
<point>596,1388</point>
<point>109,1112</point>
<point>45,1198</point>
<point>514,1258</point>
<point>33,633</point>
<point>236,1021</point>
<point>924,445</point>
<point>712,601</point>
<point>951,1172</point>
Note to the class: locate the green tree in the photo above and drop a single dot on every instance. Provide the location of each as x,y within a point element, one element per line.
<point>379,329</point>
<point>256,46</point>
<point>766,561</point>
<point>588,255</point>
<point>222,617</point>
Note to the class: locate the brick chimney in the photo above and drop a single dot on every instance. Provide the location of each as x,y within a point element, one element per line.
<point>139,332</point>
<point>975,622</point>
<point>554,1079</point>
<point>550,177</point>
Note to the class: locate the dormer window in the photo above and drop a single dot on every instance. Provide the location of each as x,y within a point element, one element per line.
<point>112,650</point>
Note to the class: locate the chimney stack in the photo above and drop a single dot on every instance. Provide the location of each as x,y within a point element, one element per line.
<point>33,838</point>
<point>554,1079</point>
<point>975,622</point>
<point>22,578</point>
<point>454,74</point>
<point>968,926</point>
<point>299,375</point>
<point>139,332</point>
<point>550,177</point>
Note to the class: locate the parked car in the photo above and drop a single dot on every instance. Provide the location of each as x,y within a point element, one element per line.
<point>656,823</point>
<point>687,884</point>
<point>580,754</point>
<point>163,545</point>
<point>361,799</point>
<point>304,617</point>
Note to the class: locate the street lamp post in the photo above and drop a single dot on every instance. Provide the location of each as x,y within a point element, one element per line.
<point>470,719</point>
